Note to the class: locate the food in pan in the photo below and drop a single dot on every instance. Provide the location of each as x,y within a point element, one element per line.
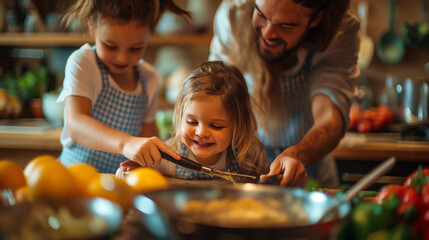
<point>245,212</point>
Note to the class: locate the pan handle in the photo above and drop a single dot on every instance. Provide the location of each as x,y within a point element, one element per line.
<point>184,162</point>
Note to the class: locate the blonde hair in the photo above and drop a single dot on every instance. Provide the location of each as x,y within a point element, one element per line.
<point>145,12</point>
<point>217,79</point>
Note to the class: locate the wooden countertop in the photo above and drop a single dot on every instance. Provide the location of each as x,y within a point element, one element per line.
<point>354,146</point>
<point>29,133</point>
<point>380,146</point>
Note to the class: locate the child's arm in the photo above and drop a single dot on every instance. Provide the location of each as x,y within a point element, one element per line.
<point>94,134</point>
<point>149,130</point>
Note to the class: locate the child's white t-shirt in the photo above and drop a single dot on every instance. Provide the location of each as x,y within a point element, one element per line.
<point>83,78</point>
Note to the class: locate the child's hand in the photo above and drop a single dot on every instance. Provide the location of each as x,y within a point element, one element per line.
<point>145,151</point>
<point>129,165</point>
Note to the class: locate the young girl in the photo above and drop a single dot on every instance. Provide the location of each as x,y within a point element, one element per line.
<point>214,125</point>
<point>110,94</point>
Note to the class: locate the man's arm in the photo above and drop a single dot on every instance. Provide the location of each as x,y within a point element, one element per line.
<point>321,139</point>
<point>323,136</point>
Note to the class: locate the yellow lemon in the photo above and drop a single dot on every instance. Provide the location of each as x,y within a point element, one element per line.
<point>114,189</point>
<point>146,179</point>
<point>23,194</point>
<point>11,175</point>
<point>83,174</point>
<point>36,162</point>
<point>51,181</point>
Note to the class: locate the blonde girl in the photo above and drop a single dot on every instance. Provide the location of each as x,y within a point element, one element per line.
<point>110,93</point>
<point>215,124</point>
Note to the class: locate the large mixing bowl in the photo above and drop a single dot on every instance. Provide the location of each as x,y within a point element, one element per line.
<point>80,218</point>
<point>166,213</point>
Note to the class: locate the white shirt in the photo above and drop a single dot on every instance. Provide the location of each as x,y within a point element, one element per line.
<point>83,78</point>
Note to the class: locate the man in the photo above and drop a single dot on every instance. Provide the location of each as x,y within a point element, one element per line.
<point>300,62</point>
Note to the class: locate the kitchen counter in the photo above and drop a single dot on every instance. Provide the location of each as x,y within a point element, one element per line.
<point>358,153</point>
<point>355,152</point>
<point>24,140</point>
<point>380,146</point>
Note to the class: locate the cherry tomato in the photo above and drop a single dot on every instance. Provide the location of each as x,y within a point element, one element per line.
<point>364,126</point>
<point>387,191</point>
<point>386,114</point>
<point>355,116</point>
<point>411,196</point>
<point>422,223</point>
<point>409,180</point>
<point>425,200</point>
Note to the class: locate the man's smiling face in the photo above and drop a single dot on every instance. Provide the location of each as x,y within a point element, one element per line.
<point>280,27</point>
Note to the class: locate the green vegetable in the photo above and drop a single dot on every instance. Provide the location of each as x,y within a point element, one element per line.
<point>366,218</point>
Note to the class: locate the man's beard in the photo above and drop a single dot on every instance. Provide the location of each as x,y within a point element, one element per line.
<point>267,54</point>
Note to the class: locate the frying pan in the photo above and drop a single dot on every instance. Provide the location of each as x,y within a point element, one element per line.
<point>162,213</point>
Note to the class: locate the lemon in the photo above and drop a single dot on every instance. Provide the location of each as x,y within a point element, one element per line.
<point>36,162</point>
<point>51,181</point>
<point>83,174</point>
<point>146,179</point>
<point>112,188</point>
<point>11,176</point>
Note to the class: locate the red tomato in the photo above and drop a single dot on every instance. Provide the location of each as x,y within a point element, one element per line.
<point>425,188</point>
<point>426,237</point>
<point>355,116</point>
<point>369,114</point>
<point>364,126</point>
<point>386,114</point>
<point>422,222</point>
<point>388,190</point>
<point>425,200</point>
<point>377,124</point>
<point>425,173</point>
<point>412,197</point>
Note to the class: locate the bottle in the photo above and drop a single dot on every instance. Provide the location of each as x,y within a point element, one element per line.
<point>388,95</point>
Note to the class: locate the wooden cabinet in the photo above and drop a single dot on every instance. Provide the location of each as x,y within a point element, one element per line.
<point>358,153</point>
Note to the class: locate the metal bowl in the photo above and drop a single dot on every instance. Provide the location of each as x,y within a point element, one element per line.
<point>81,218</point>
<point>163,213</point>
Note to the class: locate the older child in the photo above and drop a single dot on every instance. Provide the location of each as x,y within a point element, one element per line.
<point>215,124</point>
<point>110,93</point>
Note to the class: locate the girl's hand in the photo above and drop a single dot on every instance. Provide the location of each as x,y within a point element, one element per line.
<point>294,173</point>
<point>145,151</point>
<point>129,165</point>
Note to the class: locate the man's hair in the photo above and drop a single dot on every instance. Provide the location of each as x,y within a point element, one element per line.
<point>333,12</point>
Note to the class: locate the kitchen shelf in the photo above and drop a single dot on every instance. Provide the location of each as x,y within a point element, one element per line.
<point>78,39</point>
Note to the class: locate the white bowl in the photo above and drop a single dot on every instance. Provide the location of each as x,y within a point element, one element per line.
<point>53,111</point>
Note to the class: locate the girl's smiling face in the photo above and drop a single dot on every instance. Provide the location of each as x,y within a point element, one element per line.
<point>120,46</point>
<point>206,129</point>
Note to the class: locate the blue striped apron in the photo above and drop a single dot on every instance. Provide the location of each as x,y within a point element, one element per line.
<point>297,120</point>
<point>120,110</point>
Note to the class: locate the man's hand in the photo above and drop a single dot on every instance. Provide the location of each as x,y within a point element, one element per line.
<point>294,173</point>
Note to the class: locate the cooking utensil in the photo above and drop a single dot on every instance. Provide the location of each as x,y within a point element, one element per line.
<point>168,205</point>
<point>390,48</point>
<point>79,218</point>
<point>366,51</point>
<point>413,101</point>
<point>417,35</point>
<point>362,184</point>
<point>188,163</point>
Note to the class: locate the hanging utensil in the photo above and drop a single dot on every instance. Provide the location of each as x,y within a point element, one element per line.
<point>390,48</point>
<point>362,184</point>
<point>417,35</point>
<point>366,51</point>
<point>188,163</point>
